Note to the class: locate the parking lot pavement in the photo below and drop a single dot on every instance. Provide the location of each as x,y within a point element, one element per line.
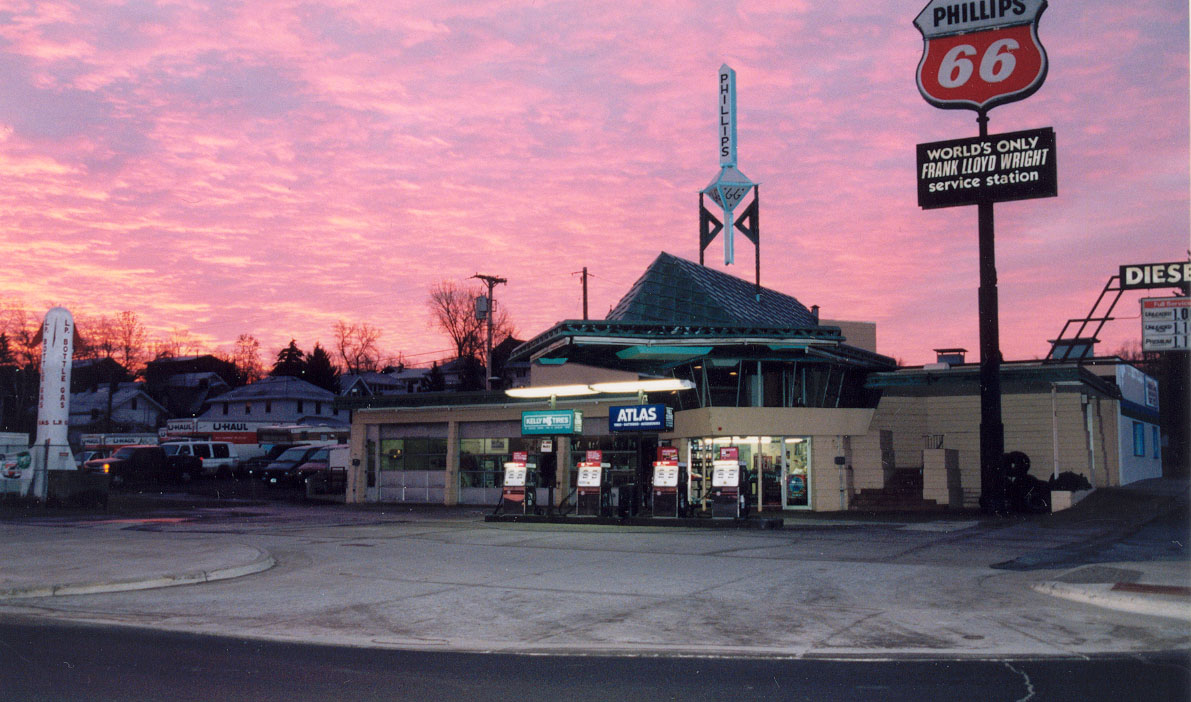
<point>178,540</point>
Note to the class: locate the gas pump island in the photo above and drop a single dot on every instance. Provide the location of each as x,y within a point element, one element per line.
<point>645,485</point>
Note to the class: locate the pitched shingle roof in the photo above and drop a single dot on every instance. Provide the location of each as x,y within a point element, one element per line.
<point>276,388</point>
<point>674,290</point>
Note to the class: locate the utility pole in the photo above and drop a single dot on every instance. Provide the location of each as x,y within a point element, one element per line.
<point>492,281</point>
<point>583,276</point>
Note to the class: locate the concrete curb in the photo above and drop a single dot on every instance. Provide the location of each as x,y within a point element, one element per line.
<point>1103,595</point>
<point>262,562</point>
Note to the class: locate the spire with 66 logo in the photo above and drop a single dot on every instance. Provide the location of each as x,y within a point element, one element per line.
<point>978,54</point>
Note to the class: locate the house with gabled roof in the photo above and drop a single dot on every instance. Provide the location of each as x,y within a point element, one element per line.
<point>276,399</point>
<point>118,407</point>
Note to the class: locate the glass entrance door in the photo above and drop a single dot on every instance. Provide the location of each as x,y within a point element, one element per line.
<point>796,487</point>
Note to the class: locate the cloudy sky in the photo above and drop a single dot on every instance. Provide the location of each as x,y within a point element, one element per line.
<point>273,166</point>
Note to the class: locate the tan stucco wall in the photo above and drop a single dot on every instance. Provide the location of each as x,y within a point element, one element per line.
<point>1028,428</point>
<point>862,335</point>
<point>770,421</point>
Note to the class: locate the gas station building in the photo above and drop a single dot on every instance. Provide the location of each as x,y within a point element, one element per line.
<point>815,416</point>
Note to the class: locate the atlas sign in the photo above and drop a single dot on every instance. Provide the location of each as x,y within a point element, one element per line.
<point>641,418</point>
<point>980,53</point>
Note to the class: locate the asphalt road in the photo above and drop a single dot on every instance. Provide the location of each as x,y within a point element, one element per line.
<point>63,662</point>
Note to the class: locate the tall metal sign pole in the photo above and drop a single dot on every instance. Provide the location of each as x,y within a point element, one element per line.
<point>730,186</point>
<point>977,55</point>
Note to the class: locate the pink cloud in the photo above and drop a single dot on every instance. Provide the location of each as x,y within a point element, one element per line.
<point>273,167</point>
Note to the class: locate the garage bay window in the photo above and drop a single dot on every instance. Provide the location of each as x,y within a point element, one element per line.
<point>482,461</point>
<point>413,454</point>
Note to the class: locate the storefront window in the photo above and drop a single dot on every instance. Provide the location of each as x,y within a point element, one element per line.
<point>619,451</point>
<point>776,466</point>
<point>413,454</point>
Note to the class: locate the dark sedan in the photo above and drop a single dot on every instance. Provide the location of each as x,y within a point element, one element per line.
<point>252,467</point>
<point>284,470</point>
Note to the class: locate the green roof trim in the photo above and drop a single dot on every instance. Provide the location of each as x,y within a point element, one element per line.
<point>663,353</point>
<point>552,361</point>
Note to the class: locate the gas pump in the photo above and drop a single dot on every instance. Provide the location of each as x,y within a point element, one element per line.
<point>589,490</point>
<point>668,500</point>
<point>518,493</point>
<point>726,495</point>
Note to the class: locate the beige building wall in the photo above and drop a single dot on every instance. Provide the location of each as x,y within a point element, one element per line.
<point>831,433</point>
<point>1031,426</point>
<point>906,418</point>
<point>862,335</point>
<point>831,484</point>
<point>770,421</point>
<point>873,458</point>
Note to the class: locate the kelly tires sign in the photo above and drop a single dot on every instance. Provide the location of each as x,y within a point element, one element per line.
<point>995,168</point>
<point>551,422</point>
<point>980,53</point>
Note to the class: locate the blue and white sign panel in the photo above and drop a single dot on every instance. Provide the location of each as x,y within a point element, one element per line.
<point>727,106</point>
<point>641,418</point>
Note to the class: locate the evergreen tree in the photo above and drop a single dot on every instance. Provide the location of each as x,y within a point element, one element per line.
<point>6,357</point>
<point>434,381</point>
<point>290,361</point>
<point>320,370</point>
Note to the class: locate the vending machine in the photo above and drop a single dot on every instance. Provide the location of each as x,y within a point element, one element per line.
<point>517,493</point>
<point>667,498</point>
<point>726,495</point>
<point>589,489</point>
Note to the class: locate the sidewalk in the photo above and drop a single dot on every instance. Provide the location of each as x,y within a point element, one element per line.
<point>50,562</point>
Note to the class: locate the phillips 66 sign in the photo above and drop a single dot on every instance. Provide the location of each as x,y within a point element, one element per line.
<point>980,53</point>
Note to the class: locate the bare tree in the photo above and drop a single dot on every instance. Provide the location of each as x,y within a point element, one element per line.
<point>180,342</point>
<point>247,358</point>
<point>453,309</point>
<point>357,346</point>
<point>130,339</point>
<point>99,337</point>
<point>21,329</point>
<point>19,379</point>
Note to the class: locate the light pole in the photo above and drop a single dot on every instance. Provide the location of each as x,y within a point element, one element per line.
<point>492,282</point>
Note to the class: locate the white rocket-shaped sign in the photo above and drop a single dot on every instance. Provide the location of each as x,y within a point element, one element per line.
<point>730,186</point>
<point>51,450</point>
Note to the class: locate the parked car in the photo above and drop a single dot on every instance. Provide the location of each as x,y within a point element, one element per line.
<point>252,467</point>
<point>145,464</point>
<point>284,470</point>
<point>219,458</point>
<point>83,456</point>
<point>327,477</point>
<point>327,459</point>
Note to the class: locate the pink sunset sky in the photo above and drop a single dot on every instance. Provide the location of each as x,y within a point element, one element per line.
<point>271,167</point>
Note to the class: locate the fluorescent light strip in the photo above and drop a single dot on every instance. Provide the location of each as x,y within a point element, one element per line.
<point>625,386</point>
